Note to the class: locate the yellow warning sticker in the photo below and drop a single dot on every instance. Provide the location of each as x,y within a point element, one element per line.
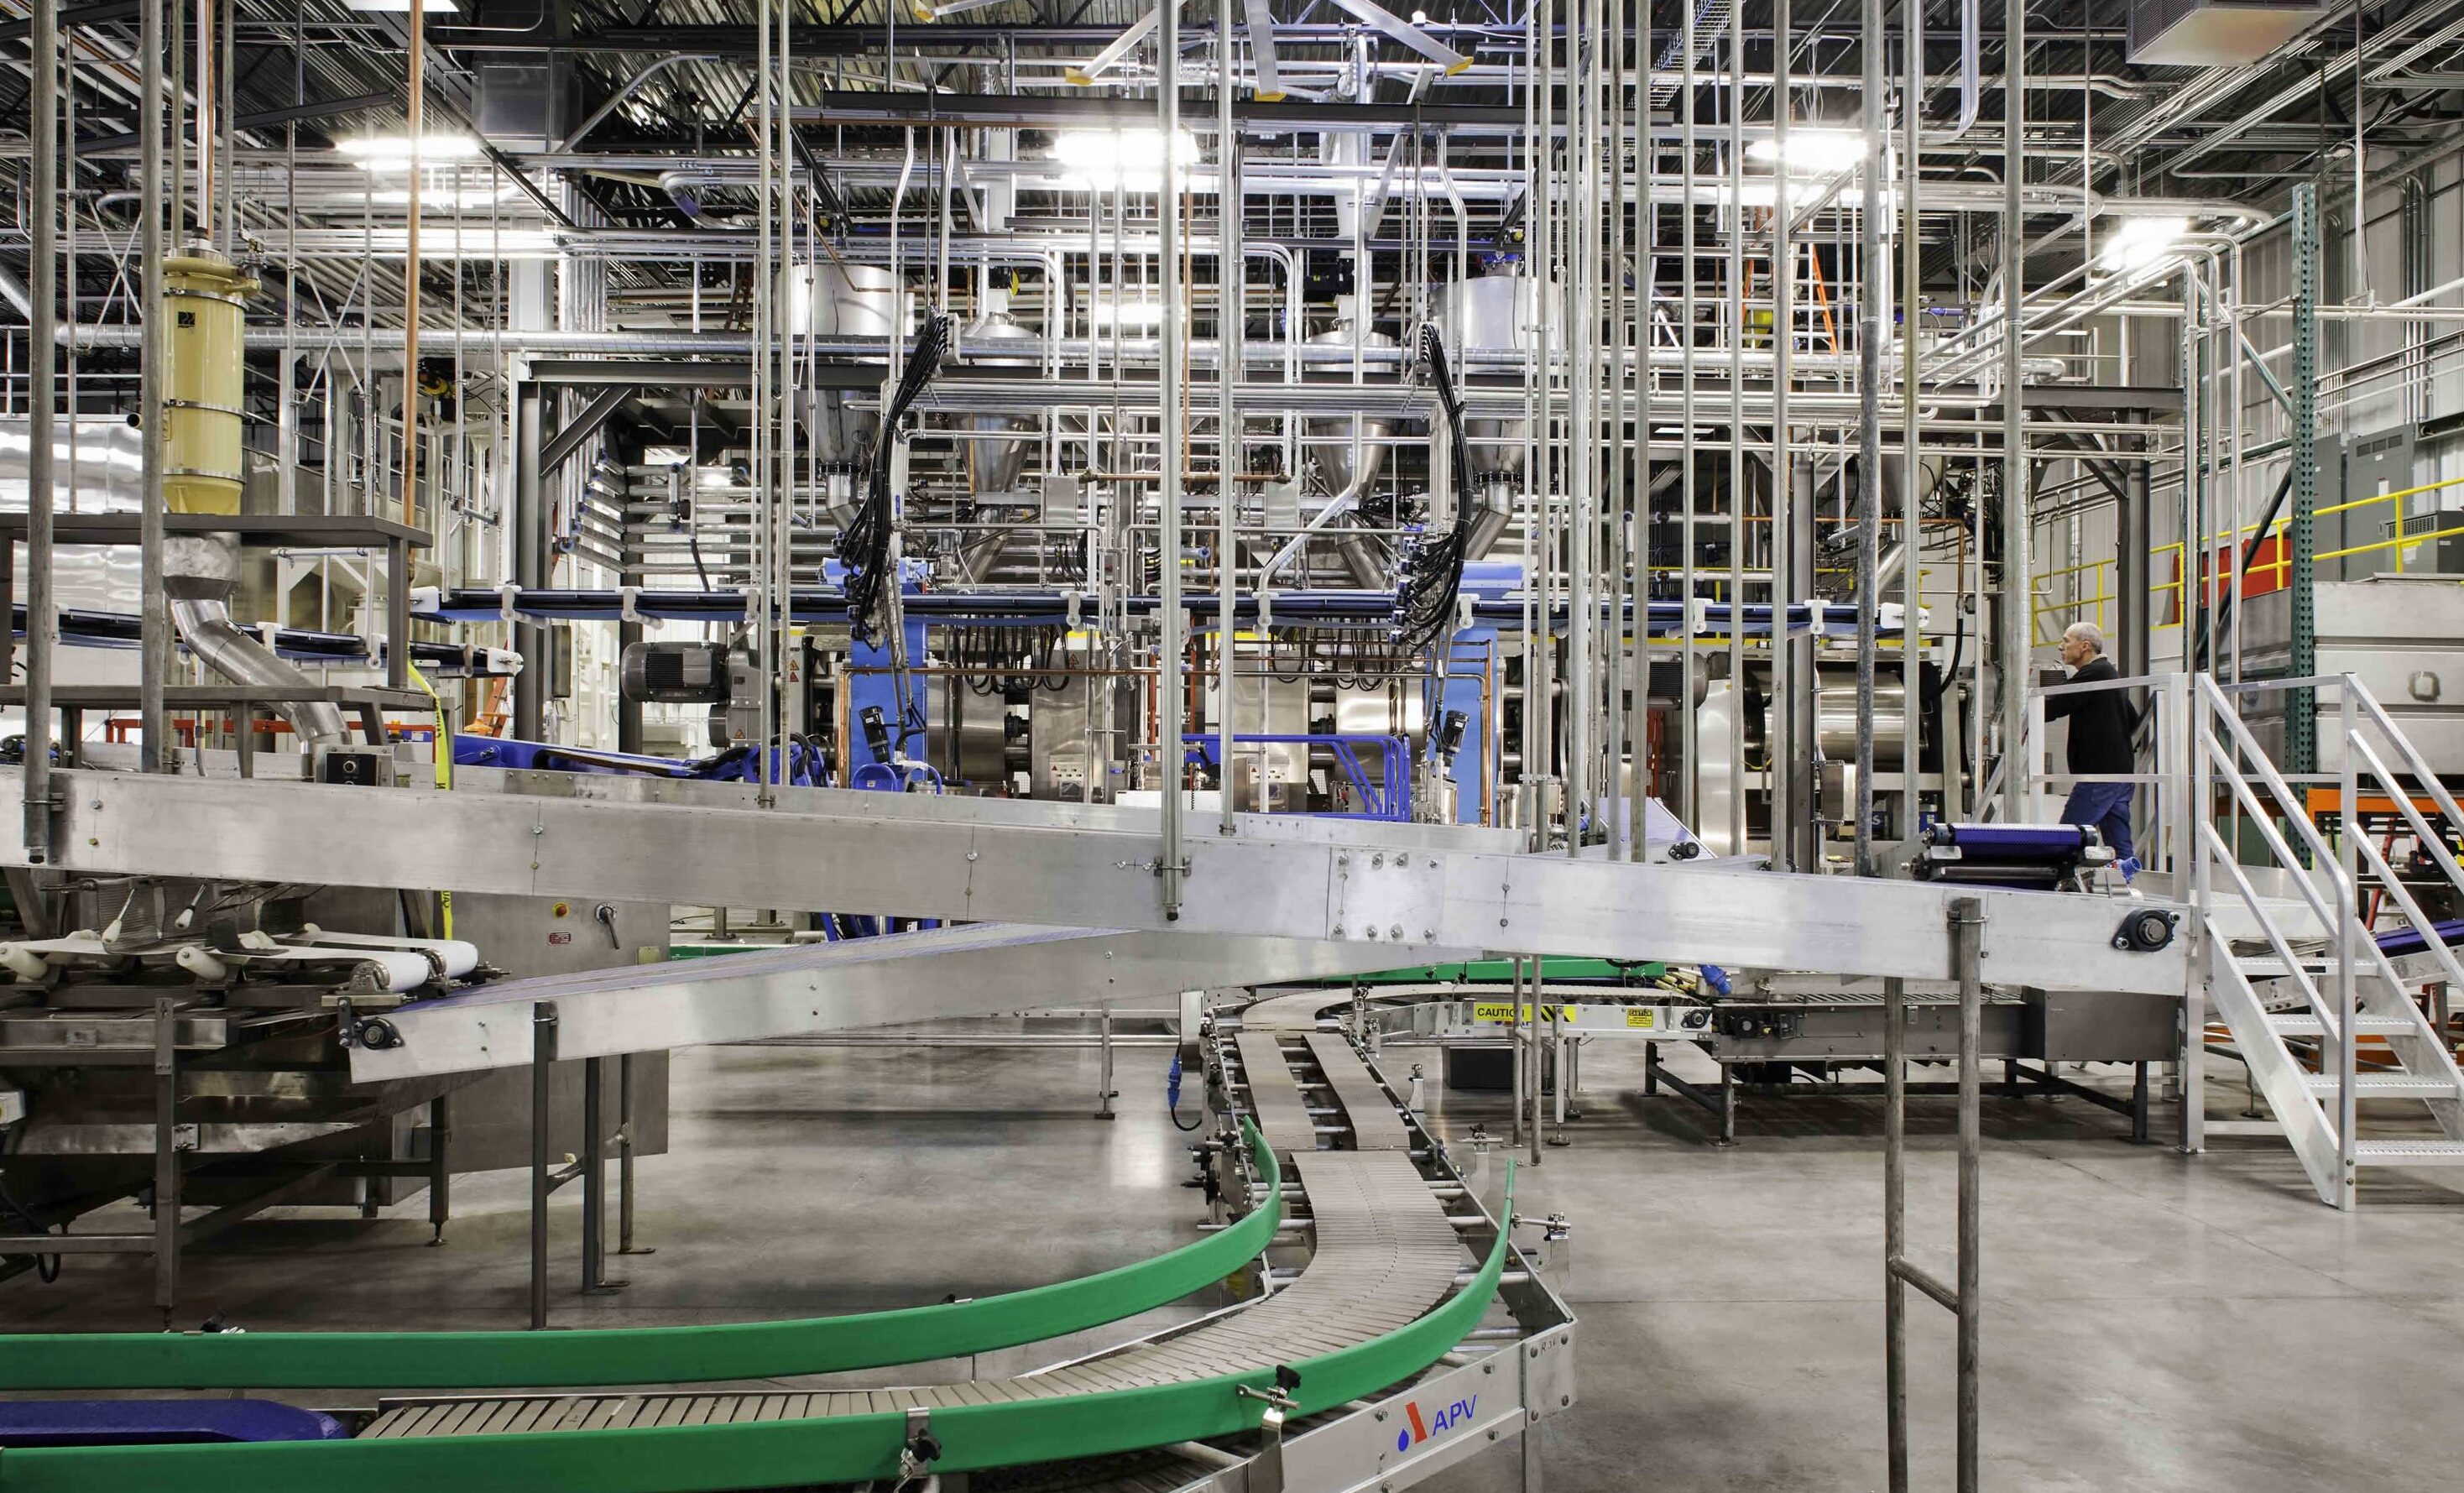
<point>1640,1017</point>
<point>1503,1011</point>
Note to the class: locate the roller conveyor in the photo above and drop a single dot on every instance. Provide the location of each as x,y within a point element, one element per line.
<point>1384,1254</point>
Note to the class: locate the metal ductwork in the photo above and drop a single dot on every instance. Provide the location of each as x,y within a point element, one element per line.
<point>1349,453</point>
<point>201,575</point>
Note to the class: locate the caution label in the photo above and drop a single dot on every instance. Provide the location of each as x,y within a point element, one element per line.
<point>1641,1018</point>
<point>1500,1012</point>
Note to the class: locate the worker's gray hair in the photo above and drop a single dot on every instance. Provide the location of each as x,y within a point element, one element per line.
<point>2086,632</point>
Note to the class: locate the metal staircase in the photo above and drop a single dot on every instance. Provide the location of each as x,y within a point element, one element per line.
<point>2323,1015</point>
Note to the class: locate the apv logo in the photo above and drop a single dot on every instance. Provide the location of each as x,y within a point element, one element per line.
<point>1447,1419</point>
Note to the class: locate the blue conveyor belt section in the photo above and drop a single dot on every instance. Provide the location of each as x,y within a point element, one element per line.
<point>2011,843</point>
<point>83,628</point>
<point>159,1422</point>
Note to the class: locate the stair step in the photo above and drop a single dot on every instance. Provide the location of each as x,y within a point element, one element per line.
<point>2410,1153</point>
<point>2385,1085</point>
<point>2296,1023</point>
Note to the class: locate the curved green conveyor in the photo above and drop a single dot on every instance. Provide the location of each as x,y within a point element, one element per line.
<point>770,1453</point>
<point>637,1355</point>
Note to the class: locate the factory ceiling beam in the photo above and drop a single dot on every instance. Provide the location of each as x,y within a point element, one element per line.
<point>1054,111</point>
<point>75,15</point>
<point>1033,864</point>
<point>268,119</point>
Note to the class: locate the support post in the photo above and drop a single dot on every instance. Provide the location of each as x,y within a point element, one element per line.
<point>166,1155</point>
<point>529,520</point>
<point>542,1063</point>
<point>154,626</point>
<point>2301,705</point>
<point>440,1166</point>
<point>624,1158</point>
<point>1964,1298</point>
<point>42,619</point>
<point>594,1180</point>
<point>1104,1089</point>
<point>1895,1230</point>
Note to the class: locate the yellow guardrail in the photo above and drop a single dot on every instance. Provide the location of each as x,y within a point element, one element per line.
<point>2069,608</point>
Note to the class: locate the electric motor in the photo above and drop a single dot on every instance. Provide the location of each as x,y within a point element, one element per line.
<point>675,673</point>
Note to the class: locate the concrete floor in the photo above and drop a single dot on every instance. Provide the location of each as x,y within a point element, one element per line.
<point>2154,1321</point>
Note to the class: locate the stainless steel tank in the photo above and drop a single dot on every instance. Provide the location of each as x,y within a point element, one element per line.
<point>1490,314</point>
<point>1330,441</point>
<point>834,300</point>
<point>993,466</point>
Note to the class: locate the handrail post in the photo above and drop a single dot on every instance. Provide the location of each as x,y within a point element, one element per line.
<point>2194,822</point>
<point>2347,1033</point>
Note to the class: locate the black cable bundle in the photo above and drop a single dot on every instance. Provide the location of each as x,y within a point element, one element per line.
<point>1429,574</point>
<point>864,544</point>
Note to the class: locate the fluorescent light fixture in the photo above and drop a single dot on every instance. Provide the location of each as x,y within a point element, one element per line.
<point>1106,311</point>
<point>1132,158</point>
<point>2136,243</point>
<point>1813,152</point>
<point>444,196</point>
<point>397,152</point>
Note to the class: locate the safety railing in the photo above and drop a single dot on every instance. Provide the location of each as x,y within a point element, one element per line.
<point>2161,834</point>
<point>2099,590</point>
<point>2244,797</point>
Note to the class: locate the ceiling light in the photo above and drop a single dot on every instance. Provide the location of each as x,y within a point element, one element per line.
<point>1108,311</point>
<point>396,152</point>
<point>2136,243</point>
<point>1132,157</point>
<point>444,196</point>
<point>1814,152</point>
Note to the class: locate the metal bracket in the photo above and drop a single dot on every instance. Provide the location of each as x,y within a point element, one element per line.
<point>1266,610</point>
<point>506,593</point>
<point>1267,1471</point>
<point>626,598</point>
<point>922,1448</point>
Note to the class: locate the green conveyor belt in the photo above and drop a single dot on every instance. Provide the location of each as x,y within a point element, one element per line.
<point>636,1356</point>
<point>767,1454</point>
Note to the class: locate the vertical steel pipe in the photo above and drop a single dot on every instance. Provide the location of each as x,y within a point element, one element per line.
<point>2016,623</point>
<point>154,629</point>
<point>1872,319</point>
<point>1231,315</point>
<point>1174,643</point>
<point>42,618</point>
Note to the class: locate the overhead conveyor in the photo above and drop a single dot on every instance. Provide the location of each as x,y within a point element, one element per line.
<point>1030,608</point>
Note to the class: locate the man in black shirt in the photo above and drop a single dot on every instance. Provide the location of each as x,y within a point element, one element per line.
<point>2100,742</point>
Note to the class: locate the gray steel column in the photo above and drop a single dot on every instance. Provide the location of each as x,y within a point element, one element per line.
<point>1232,281</point>
<point>1967,936</point>
<point>542,1067</point>
<point>1895,1230</point>
<point>1911,469</point>
<point>154,629</point>
<point>1872,321</point>
<point>440,1164</point>
<point>1784,747</point>
<point>166,1155</point>
<point>2016,621</point>
<point>1174,643</point>
<point>2301,706</point>
<point>42,619</point>
<point>529,520</point>
<point>2131,606</point>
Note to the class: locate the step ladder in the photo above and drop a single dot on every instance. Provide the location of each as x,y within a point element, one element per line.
<point>2327,1025</point>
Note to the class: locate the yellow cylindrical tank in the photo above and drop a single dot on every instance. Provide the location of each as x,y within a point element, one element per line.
<point>204,463</point>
